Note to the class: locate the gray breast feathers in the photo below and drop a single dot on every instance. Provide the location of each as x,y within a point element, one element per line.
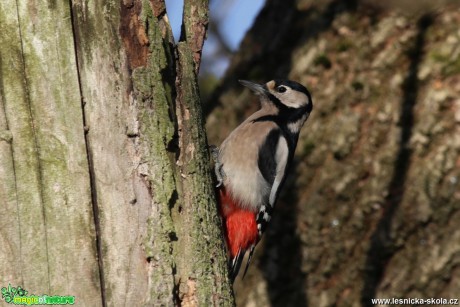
<point>239,155</point>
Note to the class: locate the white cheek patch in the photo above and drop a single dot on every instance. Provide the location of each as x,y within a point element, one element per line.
<point>292,99</point>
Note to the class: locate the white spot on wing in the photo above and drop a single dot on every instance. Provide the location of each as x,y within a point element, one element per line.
<point>281,157</point>
<point>266,217</point>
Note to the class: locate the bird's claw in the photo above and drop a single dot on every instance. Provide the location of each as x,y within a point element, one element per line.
<point>220,175</point>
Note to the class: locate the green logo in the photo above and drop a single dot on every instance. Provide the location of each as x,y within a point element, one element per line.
<point>18,296</point>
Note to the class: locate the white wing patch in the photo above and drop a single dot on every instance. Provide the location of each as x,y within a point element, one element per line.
<point>281,158</point>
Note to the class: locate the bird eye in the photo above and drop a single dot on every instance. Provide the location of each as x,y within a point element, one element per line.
<point>281,89</point>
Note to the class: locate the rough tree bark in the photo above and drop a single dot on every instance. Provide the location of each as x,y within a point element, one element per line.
<point>104,170</point>
<point>372,206</point>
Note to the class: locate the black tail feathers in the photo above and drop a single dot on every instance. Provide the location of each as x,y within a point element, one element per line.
<point>235,263</point>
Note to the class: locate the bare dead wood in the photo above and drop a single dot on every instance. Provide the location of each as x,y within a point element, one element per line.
<point>103,203</point>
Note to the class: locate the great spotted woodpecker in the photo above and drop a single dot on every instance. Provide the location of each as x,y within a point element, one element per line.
<point>252,163</point>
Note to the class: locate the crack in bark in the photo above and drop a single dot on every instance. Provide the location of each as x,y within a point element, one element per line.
<point>91,171</point>
<point>2,102</point>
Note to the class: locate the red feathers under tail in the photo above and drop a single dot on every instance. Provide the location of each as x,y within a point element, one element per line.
<point>240,229</point>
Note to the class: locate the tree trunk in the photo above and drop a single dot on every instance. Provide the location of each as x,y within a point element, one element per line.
<point>372,204</point>
<point>104,168</point>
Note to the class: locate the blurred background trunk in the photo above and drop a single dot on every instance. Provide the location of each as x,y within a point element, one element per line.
<point>372,205</point>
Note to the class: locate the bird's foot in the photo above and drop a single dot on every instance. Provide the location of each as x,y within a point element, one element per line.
<point>220,175</point>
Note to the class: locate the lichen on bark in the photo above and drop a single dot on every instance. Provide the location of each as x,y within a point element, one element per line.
<point>184,220</point>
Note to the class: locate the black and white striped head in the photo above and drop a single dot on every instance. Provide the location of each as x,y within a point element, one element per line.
<point>292,100</point>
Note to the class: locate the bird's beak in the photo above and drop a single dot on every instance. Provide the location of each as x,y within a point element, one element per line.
<point>256,88</point>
